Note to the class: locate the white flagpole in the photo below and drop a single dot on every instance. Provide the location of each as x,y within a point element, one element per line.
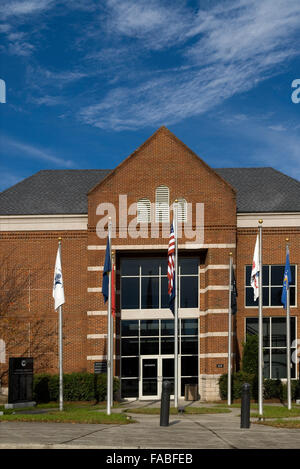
<point>288,342</point>
<point>176,308</point>
<point>260,326</point>
<point>112,333</point>
<point>108,398</point>
<point>60,342</point>
<point>229,332</point>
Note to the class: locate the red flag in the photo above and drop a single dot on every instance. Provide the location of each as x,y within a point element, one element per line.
<point>113,295</point>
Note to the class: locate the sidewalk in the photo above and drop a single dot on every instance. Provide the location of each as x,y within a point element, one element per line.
<point>205,431</point>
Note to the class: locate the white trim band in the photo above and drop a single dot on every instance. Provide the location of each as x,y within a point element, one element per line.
<point>43,222</point>
<point>214,288</point>
<point>213,311</point>
<point>157,314</point>
<point>213,334</point>
<point>271,220</point>
<point>214,355</point>
<point>214,267</point>
<point>101,357</point>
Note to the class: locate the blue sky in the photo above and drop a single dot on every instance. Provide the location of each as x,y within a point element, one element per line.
<point>89,81</point>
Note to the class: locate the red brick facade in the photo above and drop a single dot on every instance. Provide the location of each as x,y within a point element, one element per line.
<point>161,160</point>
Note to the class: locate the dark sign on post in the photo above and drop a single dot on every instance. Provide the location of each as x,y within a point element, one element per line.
<point>100,367</point>
<point>20,388</point>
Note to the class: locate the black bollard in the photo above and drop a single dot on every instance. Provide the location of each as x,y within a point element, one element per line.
<point>165,404</point>
<point>245,406</point>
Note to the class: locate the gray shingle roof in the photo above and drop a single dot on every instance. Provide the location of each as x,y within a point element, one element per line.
<point>263,189</point>
<point>51,192</point>
<point>65,191</point>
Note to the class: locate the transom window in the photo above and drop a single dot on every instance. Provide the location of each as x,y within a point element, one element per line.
<point>144,283</point>
<point>182,210</point>
<point>274,345</point>
<point>272,281</point>
<point>162,202</point>
<point>144,211</point>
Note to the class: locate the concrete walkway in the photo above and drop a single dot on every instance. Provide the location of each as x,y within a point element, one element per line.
<point>207,431</point>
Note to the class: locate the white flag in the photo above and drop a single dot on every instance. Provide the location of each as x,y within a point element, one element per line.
<point>58,286</point>
<point>255,270</point>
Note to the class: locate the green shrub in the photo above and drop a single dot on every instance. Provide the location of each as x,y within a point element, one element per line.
<point>294,390</point>
<point>250,354</point>
<point>272,389</point>
<point>41,392</point>
<point>76,387</point>
<point>237,381</point>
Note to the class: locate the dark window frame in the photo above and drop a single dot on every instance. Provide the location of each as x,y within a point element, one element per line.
<point>162,265</point>
<point>270,339</point>
<point>269,287</point>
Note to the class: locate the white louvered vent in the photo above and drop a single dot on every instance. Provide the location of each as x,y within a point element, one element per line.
<point>182,210</point>
<point>143,211</point>
<point>162,213</point>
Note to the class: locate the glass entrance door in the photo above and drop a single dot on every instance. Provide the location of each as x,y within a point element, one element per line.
<point>153,371</point>
<point>149,375</point>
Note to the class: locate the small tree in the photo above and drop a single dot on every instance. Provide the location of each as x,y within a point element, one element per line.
<point>250,354</point>
<point>23,332</point>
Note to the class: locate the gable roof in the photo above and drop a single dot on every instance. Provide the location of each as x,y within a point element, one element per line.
<point>55,192</point>
<point>51,192</point>
<point>166,131</point>
<point>263,189</point>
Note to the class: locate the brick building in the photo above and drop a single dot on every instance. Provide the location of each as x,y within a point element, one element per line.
<point>222,207</point>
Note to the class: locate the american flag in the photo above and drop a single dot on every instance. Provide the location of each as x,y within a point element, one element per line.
<point>171,269</point>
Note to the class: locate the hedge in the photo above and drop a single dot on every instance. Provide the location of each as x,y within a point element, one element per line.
<point>273,389</point>
<point>76,386</point>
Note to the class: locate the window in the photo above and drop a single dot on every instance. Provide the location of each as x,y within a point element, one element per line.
<point>143,211</point>
<point>272,281</point>
<point>182,211</point>
<point>156,337</point>
<point>144,283</point>
<point>162,213</point>
<point>274,345</point>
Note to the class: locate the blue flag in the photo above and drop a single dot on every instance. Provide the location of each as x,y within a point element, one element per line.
<point>106,270</point>
<point>287,278</point>
<point>172,297</point>
<point>233,293</point>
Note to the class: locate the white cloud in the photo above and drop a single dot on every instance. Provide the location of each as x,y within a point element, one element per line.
<point>24,7</point>
<point>155,22</point>
<point>48,100</point>
<point>277,128</point>
<point>228,49</point>
<point>29,151</point>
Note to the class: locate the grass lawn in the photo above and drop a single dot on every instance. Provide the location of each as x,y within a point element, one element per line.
<point>273,412</point>
<point>72,413</point>
<point>173,411</point>
<point>280,423</point>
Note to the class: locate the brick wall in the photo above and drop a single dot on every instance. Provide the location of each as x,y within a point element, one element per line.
<point>162,159</point>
